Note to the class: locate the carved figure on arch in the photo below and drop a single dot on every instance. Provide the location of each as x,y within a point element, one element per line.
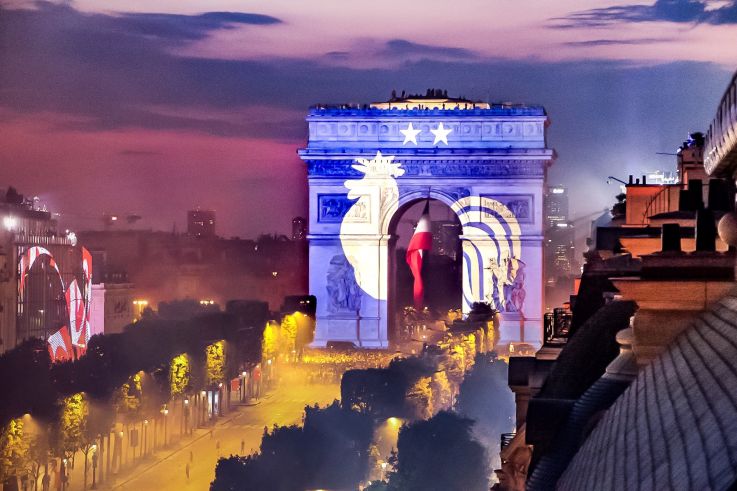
<point>343,290</point>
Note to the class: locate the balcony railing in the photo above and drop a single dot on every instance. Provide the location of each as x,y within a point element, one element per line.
<point>720,154</point>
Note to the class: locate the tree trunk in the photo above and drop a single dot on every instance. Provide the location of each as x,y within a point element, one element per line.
<point>101,459</point>
<point>84,485</point>
<point>108,454</point>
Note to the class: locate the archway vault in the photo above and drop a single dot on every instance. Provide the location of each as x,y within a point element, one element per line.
<point>492,182</point>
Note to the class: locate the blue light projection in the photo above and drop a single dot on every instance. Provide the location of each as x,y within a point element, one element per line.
<point>485,162</point>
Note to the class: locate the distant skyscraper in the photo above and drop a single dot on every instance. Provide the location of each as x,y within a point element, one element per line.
<point>556,205</point>
<point>559,250</point>
<point>299,228</point>
<point>201,223</point>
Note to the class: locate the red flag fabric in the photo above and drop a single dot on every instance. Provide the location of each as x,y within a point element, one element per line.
<point>60,345</point>
<point>421,241</point>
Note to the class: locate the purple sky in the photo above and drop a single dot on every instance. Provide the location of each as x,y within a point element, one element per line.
<point>170,105</point>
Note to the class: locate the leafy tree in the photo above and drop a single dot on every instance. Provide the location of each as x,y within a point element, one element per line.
<point>419,398</point>
<point>179,375</point>
<point>442,393</point>
<point>271,341</point>
<point>403,389</point>
<point>376,391</point>
<point>289,331</point>
<point>25,366</point>
<point>128,399</point>
<point>13,450</point>
<point>331,450</point>
<point>38,455</point>
<point>72,424</point>
<point>98,421</point>
<point>440,454</point>
<point>215,362</point>
<point>338,443</point>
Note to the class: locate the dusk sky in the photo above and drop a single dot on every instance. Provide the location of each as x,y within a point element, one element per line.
<point>158,107</point>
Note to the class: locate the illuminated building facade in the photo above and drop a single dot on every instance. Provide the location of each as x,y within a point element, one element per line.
<point>45,280</point>
<point>367,164</point>
<point>556,205</point>
<point>560,236</point>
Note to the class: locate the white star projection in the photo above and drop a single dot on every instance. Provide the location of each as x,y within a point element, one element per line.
<point>376,194</point>
<point>410,134</point>
<point>441,134</point>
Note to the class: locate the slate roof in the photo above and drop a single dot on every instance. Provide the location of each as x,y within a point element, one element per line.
<point>675,427</point>
<point>588,352</point>
<point>551,465</point>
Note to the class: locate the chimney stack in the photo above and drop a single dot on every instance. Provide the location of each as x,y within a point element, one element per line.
<point>670,240</point>
<point>697,193</point>
<point>718,195</point>
<point>706,232</point>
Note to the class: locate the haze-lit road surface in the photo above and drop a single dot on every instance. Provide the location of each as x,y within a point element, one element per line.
<point>284,406</point>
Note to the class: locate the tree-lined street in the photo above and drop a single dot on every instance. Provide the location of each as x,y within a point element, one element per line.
<point>167,469</point>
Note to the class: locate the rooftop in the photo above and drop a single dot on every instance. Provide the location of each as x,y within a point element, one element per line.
<point>676,424</point>
<point>433,103</point>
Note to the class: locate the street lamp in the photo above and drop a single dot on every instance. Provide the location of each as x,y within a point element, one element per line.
<point>612,178</point>
<point>165,412</point>
<point>145,436</point>
<point>185,415</point>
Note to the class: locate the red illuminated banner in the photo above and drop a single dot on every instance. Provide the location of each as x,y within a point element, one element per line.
<point>70,341</point>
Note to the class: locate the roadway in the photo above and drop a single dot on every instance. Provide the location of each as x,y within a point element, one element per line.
<point>167,469</point>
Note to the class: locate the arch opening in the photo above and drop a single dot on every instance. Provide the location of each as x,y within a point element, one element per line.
<point>441,270</point>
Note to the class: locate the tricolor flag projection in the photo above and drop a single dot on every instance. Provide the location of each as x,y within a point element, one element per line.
<point>87,269</point>
<point>421,241</point>
<point>76,308</point>
<point>71,340</point>
<point>60,345</point>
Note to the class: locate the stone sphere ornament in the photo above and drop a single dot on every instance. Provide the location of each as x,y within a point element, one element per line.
<point>727,228</point>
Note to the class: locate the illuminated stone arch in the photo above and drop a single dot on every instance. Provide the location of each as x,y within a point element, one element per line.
<point>411,197</point>
<point>361,172</point>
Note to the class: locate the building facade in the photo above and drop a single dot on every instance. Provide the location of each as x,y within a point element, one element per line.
<point>45,278</point>
<point>367,164</point>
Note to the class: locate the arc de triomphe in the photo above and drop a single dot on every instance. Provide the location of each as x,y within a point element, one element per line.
<point>486,162</point>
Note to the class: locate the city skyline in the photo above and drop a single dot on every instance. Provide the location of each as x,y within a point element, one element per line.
<point>157,111</point>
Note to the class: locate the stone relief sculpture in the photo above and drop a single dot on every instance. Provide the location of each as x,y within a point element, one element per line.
<point>343,291</point>
<point>506,284</point>
<point>497,279</point>
<point>520,208</point>
<point>514,290</point>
